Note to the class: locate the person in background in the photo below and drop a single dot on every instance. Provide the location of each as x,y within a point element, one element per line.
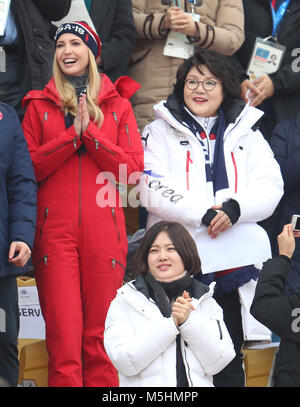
<point>80,132</point>
<point>276,93</point>
<point>208,170</point>
<point>17,230</point>
<point>279,311</point>
<point>27,47</point>
<point>220,29</point>
<point>164,328</point>
<point>113,22</point>
<point>285,144</point>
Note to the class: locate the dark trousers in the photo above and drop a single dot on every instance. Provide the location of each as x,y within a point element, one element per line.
<point>233,374</point>
<point>9,330</point>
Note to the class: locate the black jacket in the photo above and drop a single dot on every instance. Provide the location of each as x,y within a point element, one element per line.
<point>281,314</point>
<point>18,189</point>
<point>258,23</point>
<point>36,47</point>
<point>114,24</point>
<point>285,143</point>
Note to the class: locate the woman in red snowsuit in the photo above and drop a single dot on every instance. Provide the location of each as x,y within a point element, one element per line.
<point>80,248</point>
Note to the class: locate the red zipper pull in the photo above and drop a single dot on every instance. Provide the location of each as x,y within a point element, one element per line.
<point>187,169</point>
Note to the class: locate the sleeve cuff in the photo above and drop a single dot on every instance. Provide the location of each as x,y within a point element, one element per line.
<point>208,217</point>
<point>285,258</point>
<point>232,210</point>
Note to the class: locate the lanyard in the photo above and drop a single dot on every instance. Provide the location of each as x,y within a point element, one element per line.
<point>194,3</point>
<point>277,16</point>
<point>88,4</point>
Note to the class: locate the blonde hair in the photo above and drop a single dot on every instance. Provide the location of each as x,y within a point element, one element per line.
<point>67,92</point>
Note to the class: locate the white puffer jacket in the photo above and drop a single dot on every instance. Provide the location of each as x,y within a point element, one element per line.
<point>141,343</point>
<point>174,186</point>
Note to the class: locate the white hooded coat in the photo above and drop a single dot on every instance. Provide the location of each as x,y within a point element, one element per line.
<point>141,342</point>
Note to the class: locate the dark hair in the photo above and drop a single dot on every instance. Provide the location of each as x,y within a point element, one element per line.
<point>182,241</point>
<point>218,65</point>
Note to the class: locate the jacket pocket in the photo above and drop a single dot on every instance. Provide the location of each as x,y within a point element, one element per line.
<point>114,261</point>
<point>62,145</point>
<point>115,223</point>
<point>128,135</point>
<point>43,223</point>
<point>187,169</point>
<point>42,261</point>
<point>220,329</point>
<point>235,172</point>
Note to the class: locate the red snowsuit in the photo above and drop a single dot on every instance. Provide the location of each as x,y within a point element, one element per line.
<point>80,248</point>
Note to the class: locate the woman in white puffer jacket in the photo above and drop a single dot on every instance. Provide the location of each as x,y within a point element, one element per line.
<point>164,328</point>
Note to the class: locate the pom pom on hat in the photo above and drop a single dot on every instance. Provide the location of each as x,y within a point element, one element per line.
<point>83,31</point>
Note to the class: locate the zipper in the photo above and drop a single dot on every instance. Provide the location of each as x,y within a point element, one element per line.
<point>45,119</point>
<point>97,143</point>
<point>79,215</point>
<point>115,117</point>
<point>44,258</point>
<point>206,120</point>
<point>187,370</point>
<point>220,330</point>
<point>44,221</point>
<point>63,145</point>
<point>115,222</point>
<point>116,120</point>
<point>114,261</point>
<point>127,132</point>
<point>235,172</point>
<point>187,169</point>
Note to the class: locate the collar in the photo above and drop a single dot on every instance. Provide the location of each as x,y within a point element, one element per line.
<point>207,123</point>
<point>231,110</point>
<point>198,289</point>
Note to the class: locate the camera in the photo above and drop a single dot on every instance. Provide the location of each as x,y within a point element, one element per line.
<point>296,222</point>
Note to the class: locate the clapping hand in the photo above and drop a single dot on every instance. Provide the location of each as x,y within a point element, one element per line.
<point>182,308</point>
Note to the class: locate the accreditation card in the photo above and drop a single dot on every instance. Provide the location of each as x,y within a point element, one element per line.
<point>266,58</point>
<point>177,45</point>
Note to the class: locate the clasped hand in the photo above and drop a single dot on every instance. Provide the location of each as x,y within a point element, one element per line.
<point>220,222</point>
<point>177,20</point>
<point>182,308</point>
<point>82,117</point>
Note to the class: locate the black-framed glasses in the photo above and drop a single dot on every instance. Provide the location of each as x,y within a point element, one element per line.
<point>208,84</point>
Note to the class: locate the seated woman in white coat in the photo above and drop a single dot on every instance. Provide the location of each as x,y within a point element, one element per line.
<point>206,168</point>
<point>164,329</point>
